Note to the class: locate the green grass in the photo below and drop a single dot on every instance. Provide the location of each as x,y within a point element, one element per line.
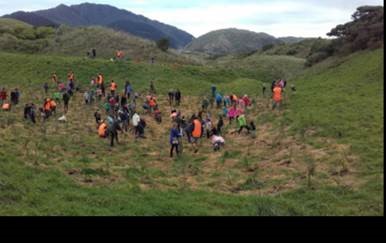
<point>338,95</point>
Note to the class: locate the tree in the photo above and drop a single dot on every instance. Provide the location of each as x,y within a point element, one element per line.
<point>364,32</point>
<point>163,44</point>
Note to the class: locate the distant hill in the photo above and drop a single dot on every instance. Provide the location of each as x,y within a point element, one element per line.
<point>230,41</point>
<point>88,14</point>
<point>18,36</point>
<point>291,39</point>
<point>32,19</point>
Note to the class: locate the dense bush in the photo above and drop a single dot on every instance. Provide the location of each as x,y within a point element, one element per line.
<point>364,32</point>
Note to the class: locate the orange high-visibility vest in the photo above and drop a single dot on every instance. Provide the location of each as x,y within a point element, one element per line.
<point>197,129</point>
<point>52,103</point>
<point>102,130</point>
<point>47,106</point>
<point>277,94</point>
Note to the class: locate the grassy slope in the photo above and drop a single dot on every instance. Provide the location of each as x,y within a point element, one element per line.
<point>28,191</point>
<point>343,99</point>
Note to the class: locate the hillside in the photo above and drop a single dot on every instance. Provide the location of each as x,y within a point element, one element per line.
<point>87,14</point>
<point>301,49</point>
<point>230,41</point>
<point>17,36</point>
<point>321,155</point>
<point>291,39</point>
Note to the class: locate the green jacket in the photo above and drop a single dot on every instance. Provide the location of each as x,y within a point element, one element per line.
<point>242,121</point>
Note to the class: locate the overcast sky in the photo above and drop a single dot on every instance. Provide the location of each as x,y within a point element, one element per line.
<point>306,18</point>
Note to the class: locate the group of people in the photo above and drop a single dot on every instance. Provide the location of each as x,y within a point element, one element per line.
<point>122,114</point>
<point>174,97</point>
<point>201,124</point>
<point>6,104</point>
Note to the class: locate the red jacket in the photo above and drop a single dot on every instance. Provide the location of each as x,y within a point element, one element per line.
<point>3,95</point>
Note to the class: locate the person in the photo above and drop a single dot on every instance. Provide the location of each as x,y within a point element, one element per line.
<point>98,116</point>
<point>45,87</point>
<point>29,112</point>
<point>208,127</point>
<point>53,106</point>
<point>101,84</point>
<point>276,97</point>
<point>128,89</point>
<point>113,131</point>
<point>247,101</point>
<point>13,97</point>
<point>47,108</point>
<point>227,101</point>
<point>61,87</point>
<point>141,128</point>
<point>242,122</point>
<point>205,104</point>
<point>218,100</point>
<point>3,96</point>
<point>113,87</point>
<point>174,139</point>
<point>273,84</point>
<point>57,96</point>
<point>232,112</point>
<point>135,122</point>
<point>86,97</point>
<point>70,87</point>
<point>66,99</point>
<point>99,94</point>
<point>220,124</point>
<point>177,97</point>
<point>71,76</point>
<point>102,129</point>
<point>217,142</point>
<point>197,132</point>
<point>124,118</point>
<point>213,90</point>
<point>158,116</point>
<point>171,97</point>
<point>152,104</point>
<point>54,78</point>
<point>123,100</point>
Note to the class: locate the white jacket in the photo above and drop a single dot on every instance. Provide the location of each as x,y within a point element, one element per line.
<point>135,119</point>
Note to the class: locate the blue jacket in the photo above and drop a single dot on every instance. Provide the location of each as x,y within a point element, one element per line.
<point>174,133</point>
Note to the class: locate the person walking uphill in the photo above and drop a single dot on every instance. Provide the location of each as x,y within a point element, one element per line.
<point>135,122</point>
<point>174,141</point>
<point>113,131</point>
<point>177,97</point>
<point>242,123</point>
<point>113,87</point>
<point>197,132</point>
<point>276,97</point>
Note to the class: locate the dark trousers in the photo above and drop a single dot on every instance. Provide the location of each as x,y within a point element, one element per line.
<point>174,146</point>
<point>113,135</point>
<point>242,127</point>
